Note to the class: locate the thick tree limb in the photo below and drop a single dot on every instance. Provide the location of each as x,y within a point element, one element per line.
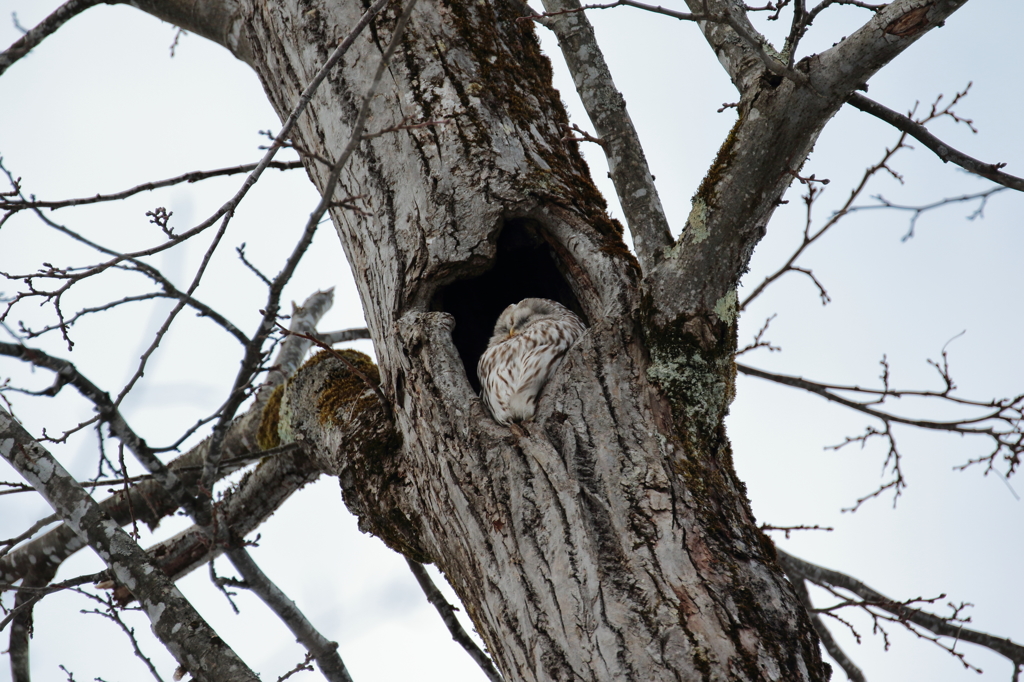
<point>945,152</point>
<point>606,107</point>
<point>222,21</point>
<point>242,510</point>
<point>939,626</point>
<point>779,121</point>
<point>196,647</point>
<point>850,64</point>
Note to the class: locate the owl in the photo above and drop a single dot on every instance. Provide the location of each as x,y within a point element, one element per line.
<point>529,341</point>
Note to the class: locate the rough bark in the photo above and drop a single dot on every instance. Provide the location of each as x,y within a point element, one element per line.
<point>609,538</point>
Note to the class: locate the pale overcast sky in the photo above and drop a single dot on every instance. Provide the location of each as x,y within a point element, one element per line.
<point>101,106</point>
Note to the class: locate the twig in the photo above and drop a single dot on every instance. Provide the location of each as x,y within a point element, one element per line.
<point>918,211</point>
<point>370,383</point>
<point>304,666</point>
<point>35,528</point>
<point>789,529</point>
<point>240,250</point>
<point>108,412</point>
<point>194,176</point>
<point>404,125</point>
<point>827,640</point>
<point>1002,421</point>
<point>758,341</point>
<point>848,207</point>
<point>37,593</point>
<point>222,583</point>
<point>110,612</point>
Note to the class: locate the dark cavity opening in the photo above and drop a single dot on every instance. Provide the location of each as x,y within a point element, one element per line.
<point>525,267</point>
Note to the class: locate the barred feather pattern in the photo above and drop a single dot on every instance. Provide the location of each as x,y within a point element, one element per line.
<point>529,341</point>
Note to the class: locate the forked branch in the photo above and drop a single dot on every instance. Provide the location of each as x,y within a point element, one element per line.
<point>1000,421</point>
<point>902,613</point>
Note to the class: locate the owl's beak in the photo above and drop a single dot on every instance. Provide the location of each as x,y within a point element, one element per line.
<point>511,332</point>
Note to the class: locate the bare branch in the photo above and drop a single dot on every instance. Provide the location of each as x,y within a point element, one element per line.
<point>75,275</point>
<point>109,413</point>
<point>194,176</point>
<point>991,171</point>
<point>827,640</point>
<point>324,651</point>
<point>606,107</point>
<point>151,499</point>
<point>1000,421</point>
<point>904,614</point>
<point>25,44</point>
<point>682,16</point>
<point>789,529</point>
<point>758,341</point>
<point>447,612</point>
<point>228,208</point>
<point>918,211</point>
<point>33,529</point>
<point>110,612</point>
<point>35,593</point>
<point>813,194</point>
<point>197,647</point>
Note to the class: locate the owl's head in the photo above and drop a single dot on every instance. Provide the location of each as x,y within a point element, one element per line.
<point>519,317</point>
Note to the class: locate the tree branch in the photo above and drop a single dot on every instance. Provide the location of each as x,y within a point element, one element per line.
<point>332,338</point>
<point>196,647</point>
<point>827,640</point>
<point>324,651</point>
<point>451,621</point>
<point>606,107</point>
<point>150,500</point>
<point>109,413</point>
<point>939,626</point>
<point>254,350</point>
<point>194,176</point>
<point>25,44</point>
<point>991,171</point>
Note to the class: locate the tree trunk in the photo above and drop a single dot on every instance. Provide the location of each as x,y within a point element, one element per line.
<point>608,538</point>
